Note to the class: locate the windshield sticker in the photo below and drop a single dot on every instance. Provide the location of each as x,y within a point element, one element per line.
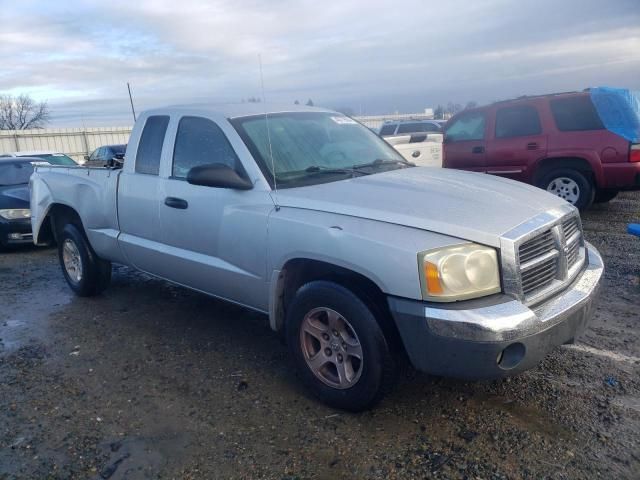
<point>344,120</point>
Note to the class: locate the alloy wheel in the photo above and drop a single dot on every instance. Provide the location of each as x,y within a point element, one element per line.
<point>331,348</point>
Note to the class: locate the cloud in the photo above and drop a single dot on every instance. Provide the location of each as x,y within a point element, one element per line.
<point>371,55</point>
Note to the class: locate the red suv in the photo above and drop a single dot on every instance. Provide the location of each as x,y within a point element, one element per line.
<point>556,142</point>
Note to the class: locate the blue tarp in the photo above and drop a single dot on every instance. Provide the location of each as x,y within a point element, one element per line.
<point>619,110</point>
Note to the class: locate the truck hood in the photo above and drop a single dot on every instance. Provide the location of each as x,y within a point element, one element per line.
<point>471,206</point>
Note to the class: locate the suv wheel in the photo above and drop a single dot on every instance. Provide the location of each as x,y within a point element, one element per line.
<point>338,347</point>
<point>571,185</point>
<point>84,271</point>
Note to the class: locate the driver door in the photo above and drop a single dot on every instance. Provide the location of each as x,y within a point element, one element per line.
<point>214,238</point>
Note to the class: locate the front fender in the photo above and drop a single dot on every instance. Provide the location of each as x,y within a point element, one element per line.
<point>384,253</point>
<point>41,201</point>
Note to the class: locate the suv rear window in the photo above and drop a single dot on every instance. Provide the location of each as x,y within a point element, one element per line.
<point>574,114</point>
<point>411,128</point>
<point>518,121</point>
<point>388,129</point>
<point>468,126</point>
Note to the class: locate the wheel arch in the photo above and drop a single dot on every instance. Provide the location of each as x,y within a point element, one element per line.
<point>582,163</point>
<point>56,217</point>
<point>297,272</point>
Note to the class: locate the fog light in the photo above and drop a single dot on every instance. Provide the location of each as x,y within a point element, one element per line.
<point>511,356</point>
<point>15,236</point>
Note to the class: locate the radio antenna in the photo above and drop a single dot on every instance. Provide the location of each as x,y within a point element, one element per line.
<point>133,110</point>
<point>266,119</point>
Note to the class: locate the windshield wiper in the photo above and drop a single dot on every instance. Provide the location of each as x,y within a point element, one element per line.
<point>380,162</point>
<point>318,169</point>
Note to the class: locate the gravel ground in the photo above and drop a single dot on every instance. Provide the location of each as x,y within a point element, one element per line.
<point>153,381</point>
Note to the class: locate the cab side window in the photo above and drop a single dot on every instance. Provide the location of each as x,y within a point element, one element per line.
<point>200,141</point>
<point>150,147</point>
<point>521,121</point>
<point>469,126</point>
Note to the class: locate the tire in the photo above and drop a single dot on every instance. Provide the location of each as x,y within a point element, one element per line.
<point>604,196</point>
<point>572,185</point>
<point>84,271</point>
<point>320,306</point>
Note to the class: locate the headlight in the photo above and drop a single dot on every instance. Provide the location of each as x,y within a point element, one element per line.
<point>15,213</point>
<point>458,273</point>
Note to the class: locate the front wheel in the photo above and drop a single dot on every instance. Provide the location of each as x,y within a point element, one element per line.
<point>338,346</point>
<point>571,185</point>
<point>84,271</point>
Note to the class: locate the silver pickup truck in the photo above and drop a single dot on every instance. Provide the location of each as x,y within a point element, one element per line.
<point>357,256</point>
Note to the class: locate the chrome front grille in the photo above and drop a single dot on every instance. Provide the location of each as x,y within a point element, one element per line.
<point>573,237</point>
<point>539,262</point>
<point>540,275</point>
<point>546,253</point>
<point>536,246</point>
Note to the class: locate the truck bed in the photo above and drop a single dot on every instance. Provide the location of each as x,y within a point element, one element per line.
<point>91,191</point>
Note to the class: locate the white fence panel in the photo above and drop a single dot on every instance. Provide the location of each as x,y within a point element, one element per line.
<point>376,121</point>
<point>75,142</point>
<point>78,142</point>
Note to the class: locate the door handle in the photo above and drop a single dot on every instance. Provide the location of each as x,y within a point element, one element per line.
<point>174,202</point>
<point>477,149</point>
<point>532,146</point>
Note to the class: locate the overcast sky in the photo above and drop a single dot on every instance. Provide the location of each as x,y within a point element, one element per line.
<point>371,56</point>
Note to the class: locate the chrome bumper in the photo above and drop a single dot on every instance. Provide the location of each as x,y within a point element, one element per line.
<point>495,336</point>
<point>511,319</point>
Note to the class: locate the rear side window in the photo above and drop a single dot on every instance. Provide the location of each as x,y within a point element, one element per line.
<point>574,114</point>
<point>519,121</point>
<point>388,129</point>
<point>150,148</point>
<point>200,142</point>
<point>469,126</point>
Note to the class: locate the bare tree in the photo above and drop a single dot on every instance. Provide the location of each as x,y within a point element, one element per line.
<point>22,112</point>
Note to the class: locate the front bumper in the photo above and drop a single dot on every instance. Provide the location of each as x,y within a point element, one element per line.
<point>15,232</point>
<point>495,336</point>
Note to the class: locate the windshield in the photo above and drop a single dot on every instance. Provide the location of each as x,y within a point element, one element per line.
<point>15,173</point>
<point>315,147</point>
<point>56,159</point>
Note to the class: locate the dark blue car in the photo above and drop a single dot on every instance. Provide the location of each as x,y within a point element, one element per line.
<point>15,214</point>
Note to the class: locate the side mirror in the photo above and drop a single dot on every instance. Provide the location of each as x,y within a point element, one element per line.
<point>86,157</point>
<point>218,175</point>
<point>116,162</point>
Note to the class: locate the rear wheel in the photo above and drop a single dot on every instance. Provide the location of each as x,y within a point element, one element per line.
<point>84,271</point>
<point>338,346</point>
<point>571,185</point>
<point>603,196</point>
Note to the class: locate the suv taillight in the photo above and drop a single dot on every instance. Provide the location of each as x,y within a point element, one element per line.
<point>634,153</point>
